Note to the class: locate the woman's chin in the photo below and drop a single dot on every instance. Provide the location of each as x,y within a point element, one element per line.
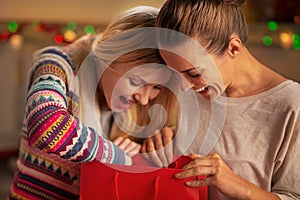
<point>211,94</point>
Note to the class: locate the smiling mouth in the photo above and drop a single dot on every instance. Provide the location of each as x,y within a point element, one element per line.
<point>126,101</point>
<point>203,89</point>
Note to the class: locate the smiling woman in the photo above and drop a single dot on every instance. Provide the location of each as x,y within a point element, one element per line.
<point>254,157</point>
<point>72,92</point>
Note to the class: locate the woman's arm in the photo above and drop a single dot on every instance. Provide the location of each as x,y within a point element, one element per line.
<point>51,127</point>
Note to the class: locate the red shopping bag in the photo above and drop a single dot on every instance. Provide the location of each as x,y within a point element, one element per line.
<point>120,182</point>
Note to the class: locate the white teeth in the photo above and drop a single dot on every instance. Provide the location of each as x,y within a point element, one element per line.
<point>202,89</point>
<point>124,100</point>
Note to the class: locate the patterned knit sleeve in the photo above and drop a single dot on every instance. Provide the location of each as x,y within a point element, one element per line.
<point>51,128</point>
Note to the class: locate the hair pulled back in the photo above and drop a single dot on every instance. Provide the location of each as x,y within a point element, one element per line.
<point>211,22</point>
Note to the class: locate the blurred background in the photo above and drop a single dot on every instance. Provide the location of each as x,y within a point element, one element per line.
<point>25,26</point>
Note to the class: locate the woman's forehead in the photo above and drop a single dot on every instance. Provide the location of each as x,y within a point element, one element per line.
<point>151,72</point>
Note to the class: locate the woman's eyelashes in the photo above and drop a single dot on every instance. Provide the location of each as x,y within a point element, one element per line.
<point>195,73</point>
<point>158,87</point>
<point>136,82</point>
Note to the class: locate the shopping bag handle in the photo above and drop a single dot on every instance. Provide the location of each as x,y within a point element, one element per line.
<point>156,186</point>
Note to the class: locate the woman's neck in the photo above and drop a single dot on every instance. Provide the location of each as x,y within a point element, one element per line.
<point>252,77</point>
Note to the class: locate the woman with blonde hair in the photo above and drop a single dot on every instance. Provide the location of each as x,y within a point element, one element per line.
<point>72,92</point>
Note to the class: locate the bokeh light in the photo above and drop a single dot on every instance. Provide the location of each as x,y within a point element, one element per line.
<point>16,41</point>
<point>267,40</point>
<point>89,29</point>
<point>37,26</point>
<point>296,41</point>
<point>272,25</point>
<point>13,26</point>
<point>286,39</point>
<point>69,36</point>
<point>59,39</point>
<point>71,25</point>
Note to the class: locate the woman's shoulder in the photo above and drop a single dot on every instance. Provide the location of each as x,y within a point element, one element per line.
<point>289,92</point>
<point>53,53</point>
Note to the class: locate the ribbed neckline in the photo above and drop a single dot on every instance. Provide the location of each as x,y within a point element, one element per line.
<point>271,91</point>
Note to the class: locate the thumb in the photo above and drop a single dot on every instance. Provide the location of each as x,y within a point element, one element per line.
<point>194,156</point>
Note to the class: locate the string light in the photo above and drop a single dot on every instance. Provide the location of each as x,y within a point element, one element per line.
<point>16,41</point>
<point>89,29</point>
<point>13,26</point>
<point>296,41</point>
<point>69,36</point>
<point>59,39</point>
<point>272,25</point>
<point>267,40</point>
<point>71,25</point>
<point>286,39</point>
<point>68,33</point>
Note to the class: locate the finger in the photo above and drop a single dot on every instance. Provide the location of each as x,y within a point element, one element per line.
<point>198,183</point>
<point>135,150</point>
<point>161,155</point>
<point>148,152</point>
<point>194,156</point>
<point>199,162</point>
<point>132,147</point>
<point>152,153</point>
<point>118,140</point>
<point>155,158</point>
<point>150,146</point>
<point>157,139</point>
<point>159,147</point>
<point>124,144</point>
<point>168,143</point>
<point>167,135</point>
<point>169,152</point>
<point>144,151</point>
<point>197,171</point>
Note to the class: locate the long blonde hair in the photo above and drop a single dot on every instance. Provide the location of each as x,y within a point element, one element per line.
<point>107,48</point>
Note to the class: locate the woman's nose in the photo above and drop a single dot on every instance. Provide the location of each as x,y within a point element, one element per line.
<point>145,93</point>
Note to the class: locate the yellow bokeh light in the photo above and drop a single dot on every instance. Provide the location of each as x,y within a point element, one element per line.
<point>286,39</point>
<point>16,40</point>
<point>70,36</point>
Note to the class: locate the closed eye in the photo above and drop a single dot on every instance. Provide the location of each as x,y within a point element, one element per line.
<point>158,87</point>
<point>195,72</point>
<point>135,81</point>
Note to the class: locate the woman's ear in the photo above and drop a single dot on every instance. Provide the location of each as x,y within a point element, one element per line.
<point>234,46</point>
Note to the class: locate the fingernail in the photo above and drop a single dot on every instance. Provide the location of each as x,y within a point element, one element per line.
<point>188,183</point>
<point>178,175</point>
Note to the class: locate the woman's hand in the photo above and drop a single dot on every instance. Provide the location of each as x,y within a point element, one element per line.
<point>130,147</point>
<point>220,176</point>
<point>159,148</point>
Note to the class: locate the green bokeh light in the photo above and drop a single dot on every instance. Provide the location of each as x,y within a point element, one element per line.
<point>296,41</point>
<point>272,25</point>
<point>13,26</point>
<point>267,40</point>
<point>89,29</point>
<point>71,25</point>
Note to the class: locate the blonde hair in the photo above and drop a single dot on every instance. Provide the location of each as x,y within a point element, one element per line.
<point>210,22</point>
<point>128,33</point>
<point>107,48</point>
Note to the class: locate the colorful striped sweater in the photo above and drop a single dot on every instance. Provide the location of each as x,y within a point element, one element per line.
<point>53,141</point>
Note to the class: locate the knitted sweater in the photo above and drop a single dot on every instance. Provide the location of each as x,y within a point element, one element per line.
<point>54,141</point>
